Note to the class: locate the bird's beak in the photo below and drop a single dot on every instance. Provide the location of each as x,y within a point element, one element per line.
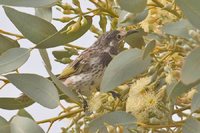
<point>131,32</point>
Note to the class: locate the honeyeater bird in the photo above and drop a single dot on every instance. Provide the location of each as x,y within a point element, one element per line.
<point>85,73</point>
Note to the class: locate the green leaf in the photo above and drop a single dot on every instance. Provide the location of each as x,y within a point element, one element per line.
<point>154,36</point>
<point>61,38</point>
<point>24,125</point>
<point>4,126</point>
<point>67,91</point>
<point>13,59</point>
<point>149,48</point>
<point>136,40</point>
<point>191,10</point>
<point>177,89</point>
<point>62,54</point>
<point>127,18</point>
<point>58,83</point>
<point>191,68</point>
<point>180,28</point>
<point>45,13</point>
<point>191,126</point>
<point>7,43</point>
<point>45,57</point>
<point>124,66</point>
<point>32,27</point>
<point>195,100</point>
<point>38,88</point>
<point>15,103</point>
<point>29,3</point>
<point>24,113</point>
<point>134,6</point>
<point>113,118</point>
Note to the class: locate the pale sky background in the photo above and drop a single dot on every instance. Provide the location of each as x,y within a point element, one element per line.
<point>35,65</point>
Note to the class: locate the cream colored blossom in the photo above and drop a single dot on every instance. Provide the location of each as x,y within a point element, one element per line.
<point>144,104</point>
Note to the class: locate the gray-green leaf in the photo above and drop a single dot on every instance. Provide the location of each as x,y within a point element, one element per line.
<point>4,126</point>
<point>32,27</point>
<point>61,38</point>
<point>191,10</point>
<point>136,40</point>
<point>13,59</point>
<point>15,103</point>
<point>178,88</point>
<point>45,13</point>
<point>7,43</point>
<point>127,18</point>
<point>191,126</point>
<point>180,28</point>
<point>134,6</point>
<point>38,88</point>
<point>195,102</point>
<point>191,68</point>
<point>112,118</point>
<point>124,66</point>
<point>58,83</point>
<point>24,113</point>
<point>24,125</point>
<point>149,48</point>
<point>29,3</point>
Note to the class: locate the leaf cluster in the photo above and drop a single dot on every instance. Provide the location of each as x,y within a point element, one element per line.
<point>154,78</point>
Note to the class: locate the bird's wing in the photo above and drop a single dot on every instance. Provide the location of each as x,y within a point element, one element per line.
<point>76,67</point>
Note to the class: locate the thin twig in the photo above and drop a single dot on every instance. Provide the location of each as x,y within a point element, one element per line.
<point>11,34</point>
<point>175,124</point>
<point>174,12</point>
<point>73,46</point>
<point>60,117</point>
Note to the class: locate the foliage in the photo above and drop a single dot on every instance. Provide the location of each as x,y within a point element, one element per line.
<point>143,89</point>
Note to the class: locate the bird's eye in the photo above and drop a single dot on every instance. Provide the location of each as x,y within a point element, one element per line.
<point>119,37</point>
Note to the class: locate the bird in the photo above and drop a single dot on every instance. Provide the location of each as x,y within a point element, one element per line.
<point>85,73</point>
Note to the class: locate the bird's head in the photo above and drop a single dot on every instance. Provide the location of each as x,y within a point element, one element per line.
<point>114,38</point>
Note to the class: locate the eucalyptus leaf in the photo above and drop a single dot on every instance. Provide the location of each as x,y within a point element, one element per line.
<point>15,103</point>
<point>73,96</point>
<point>149,48</point>
<point>67,91</point>
<point>191,67</point>
<point>13,59</point>
<point>62,54</point>
<point>180,28</point>
<point>24,125</point>
<point>29,3</point>
<point>136,40</point>
<point>178,88</point>
<point>191,10</point>
<point>45,57</point>
<point>134,6</point>
<point>154,36</point>
<point>24,113</point>
<point>112,118</point>
<point>123,67</point>
<point>32,27</point>
<point>62,37</point>
<point>191,126</point>
<point>7,43</point>
<point>4,126</point>
<point>45,13</point>
<point>127,18</point>
<point>195,100</point>
<point>38,88</point>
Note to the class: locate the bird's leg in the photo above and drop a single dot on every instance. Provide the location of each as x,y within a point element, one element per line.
<point>84,102</point>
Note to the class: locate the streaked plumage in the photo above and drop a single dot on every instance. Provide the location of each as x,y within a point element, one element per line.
<point>85,73</point>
